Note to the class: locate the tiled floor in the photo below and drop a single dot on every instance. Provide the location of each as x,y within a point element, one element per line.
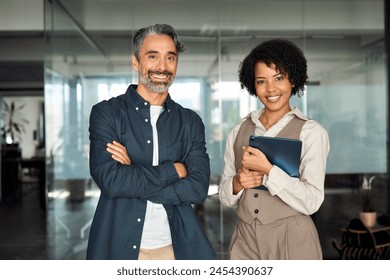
<point>23,226</point>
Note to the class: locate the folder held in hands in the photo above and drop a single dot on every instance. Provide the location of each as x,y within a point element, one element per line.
<point>282,152</point>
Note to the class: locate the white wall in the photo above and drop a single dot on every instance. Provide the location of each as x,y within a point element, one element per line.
<point>31,113</point>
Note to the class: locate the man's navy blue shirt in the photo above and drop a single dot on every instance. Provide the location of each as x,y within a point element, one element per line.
<point>119,218</point>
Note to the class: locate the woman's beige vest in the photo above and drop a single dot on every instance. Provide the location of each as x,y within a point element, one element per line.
<point>256,203</point>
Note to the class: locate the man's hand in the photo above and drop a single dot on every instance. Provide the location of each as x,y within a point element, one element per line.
<point>119,152</point>
<point>180,169</point>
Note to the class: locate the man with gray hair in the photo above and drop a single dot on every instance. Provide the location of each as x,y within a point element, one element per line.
<point>149,159</point>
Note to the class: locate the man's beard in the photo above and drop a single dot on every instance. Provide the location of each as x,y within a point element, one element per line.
<point>156,87</point>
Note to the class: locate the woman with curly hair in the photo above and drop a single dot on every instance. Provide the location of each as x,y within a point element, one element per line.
<point>274,208</point>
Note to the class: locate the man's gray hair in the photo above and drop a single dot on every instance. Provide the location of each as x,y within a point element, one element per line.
<point>156,29</point>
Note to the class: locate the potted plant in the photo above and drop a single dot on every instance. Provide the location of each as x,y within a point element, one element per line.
<point>367,213</point>
<point>13,123</point>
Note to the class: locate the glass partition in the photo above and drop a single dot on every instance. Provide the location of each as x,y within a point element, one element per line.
<point>71,194</point>
<point>346,92</point>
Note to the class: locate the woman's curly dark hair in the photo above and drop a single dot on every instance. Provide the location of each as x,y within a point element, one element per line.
<point>286,57</point>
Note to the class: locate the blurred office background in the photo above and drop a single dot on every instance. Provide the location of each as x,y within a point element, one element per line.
<point>60,57</point>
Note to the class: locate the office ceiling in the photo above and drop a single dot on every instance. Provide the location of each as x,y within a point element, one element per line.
<point>96,34</point>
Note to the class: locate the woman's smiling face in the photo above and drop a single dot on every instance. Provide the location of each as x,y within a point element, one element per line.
<point>272,88</point>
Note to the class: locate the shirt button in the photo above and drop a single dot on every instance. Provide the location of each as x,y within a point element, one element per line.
<point>137,108</point>
<point>169,110</point>
<point>256,195</point>
<point>148,141</point>
<point>138,220</point>
<point>134,247</point>
<point>146,120</point>
<point>146,103</point>
<point>256,211</point>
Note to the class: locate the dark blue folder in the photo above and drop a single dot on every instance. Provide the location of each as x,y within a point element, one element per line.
<point>282,152</point>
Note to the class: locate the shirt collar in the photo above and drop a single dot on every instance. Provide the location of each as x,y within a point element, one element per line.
<point>288,116</point>
<point>298,113</point>
<point>137,102</point>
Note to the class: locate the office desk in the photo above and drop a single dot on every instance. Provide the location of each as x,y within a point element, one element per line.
<point>38,164</point>
<point>11,187</point>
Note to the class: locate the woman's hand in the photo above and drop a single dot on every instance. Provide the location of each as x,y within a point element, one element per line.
<point>119,152</point>
<point>246,179</point>
<point>255,160</point>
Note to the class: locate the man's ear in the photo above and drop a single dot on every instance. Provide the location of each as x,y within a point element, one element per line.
<point>135,62</point>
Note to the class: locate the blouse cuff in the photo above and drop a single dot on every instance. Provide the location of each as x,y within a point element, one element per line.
<point>227,195</point>
<point>276,180</point>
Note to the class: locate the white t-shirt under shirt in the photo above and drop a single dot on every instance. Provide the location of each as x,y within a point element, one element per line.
<point>156,232</point>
